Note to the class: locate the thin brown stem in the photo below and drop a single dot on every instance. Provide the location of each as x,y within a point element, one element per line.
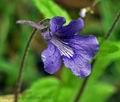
<point>21,69</point>
<point>107,35</point>
<point>82,87</point>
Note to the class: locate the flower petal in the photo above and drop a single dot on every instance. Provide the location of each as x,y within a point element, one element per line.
<point>87,46</point>
<point>51,58</point>
<point>56,23</point>
<point>72,28</point>
<point>84,48</point>
<point>78,65</point>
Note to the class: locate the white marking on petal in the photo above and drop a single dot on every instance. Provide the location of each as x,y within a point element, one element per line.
<point>63,47</point>
<point>43,58</point>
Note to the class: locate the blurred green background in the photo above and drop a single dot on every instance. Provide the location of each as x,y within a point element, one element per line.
<point>39,86</point>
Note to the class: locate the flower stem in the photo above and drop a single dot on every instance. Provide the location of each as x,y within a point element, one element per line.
<point>21,69</point>
<point>82,87</point>
<point>107,35</point>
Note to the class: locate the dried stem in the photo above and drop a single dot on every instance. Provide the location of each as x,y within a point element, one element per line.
<point>21,69</point>
<point>82,87</point>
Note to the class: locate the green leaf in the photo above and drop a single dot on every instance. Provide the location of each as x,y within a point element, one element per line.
<point>48,90</point>
<point>50,9</point>
<point>51,90</point>
<point>108,47</point>
<point>44,90</point>
<point>100,91</point>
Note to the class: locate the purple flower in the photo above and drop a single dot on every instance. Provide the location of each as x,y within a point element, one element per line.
<point>65,45</point>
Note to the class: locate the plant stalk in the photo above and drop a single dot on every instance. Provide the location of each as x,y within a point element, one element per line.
<point>21,69</point>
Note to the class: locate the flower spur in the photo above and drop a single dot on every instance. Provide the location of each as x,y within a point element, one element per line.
<point>66,45</point>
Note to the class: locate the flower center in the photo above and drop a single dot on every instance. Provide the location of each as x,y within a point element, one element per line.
<point>63,47</point>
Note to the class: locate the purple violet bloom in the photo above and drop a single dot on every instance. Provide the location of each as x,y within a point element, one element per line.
<point>65,45</point>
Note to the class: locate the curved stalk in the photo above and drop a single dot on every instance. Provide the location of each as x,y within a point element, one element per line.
<point>21,69</point>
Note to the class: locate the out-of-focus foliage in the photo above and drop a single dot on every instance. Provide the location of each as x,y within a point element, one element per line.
<point>50,9</point>
<point>12,44</point>
<point>45,91</point>
<point>105,76</point>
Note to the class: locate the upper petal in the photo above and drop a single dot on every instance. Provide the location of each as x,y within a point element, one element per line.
<point>56,23</point>
<point>51,59</point>
<point>72,28</point>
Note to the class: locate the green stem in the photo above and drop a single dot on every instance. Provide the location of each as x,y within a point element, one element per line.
<point>108,34</point>
<point>21,69</point>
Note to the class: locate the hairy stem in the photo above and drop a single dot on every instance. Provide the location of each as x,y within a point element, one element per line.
<point>21,69</point>
<point>107,35</point>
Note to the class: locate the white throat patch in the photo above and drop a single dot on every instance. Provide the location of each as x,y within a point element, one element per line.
<point>63,47</point>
